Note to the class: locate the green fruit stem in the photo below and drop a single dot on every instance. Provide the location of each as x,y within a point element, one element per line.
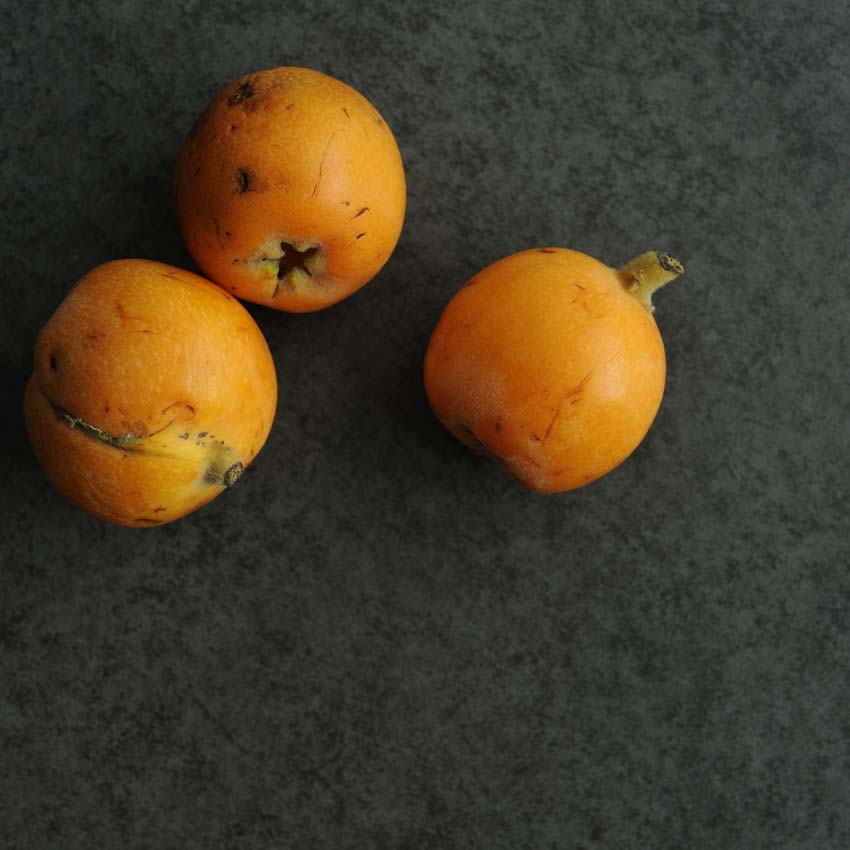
<point>648,272</point>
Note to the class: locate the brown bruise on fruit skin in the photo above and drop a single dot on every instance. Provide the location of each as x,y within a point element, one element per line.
<point>243,91</point>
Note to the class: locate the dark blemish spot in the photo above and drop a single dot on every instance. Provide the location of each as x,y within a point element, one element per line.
<point>346,113</point>
<point>364,210</point>
<point>202,434</point>
<point>183,437</point>
<point>276,291</point>
<point>169,275</point>
<point>228,233</point>
<point>158,510</point>
<point>546,250</point>
<point>360,236</point>
<point>120,311</point>
<point>197,171</point>
<point>289,106</point>
<point>217,224</point>
<point>347,203</point>
<point>232,475</point>
<point>535,438</point>
<point>106,410</point>
<point>244,91</point>
<point>53,364</point>
<point>379,122</point>
<point>234,263</point>
<point>243,181</point>
<point>233,127</point>
<point>498,425</point>
<point>670,264</point>
<point>578,286</point>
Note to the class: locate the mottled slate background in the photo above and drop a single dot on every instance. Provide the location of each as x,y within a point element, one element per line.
<point>376,640</point>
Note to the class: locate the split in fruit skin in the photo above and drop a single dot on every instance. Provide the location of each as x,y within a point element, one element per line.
<point>223,467</point>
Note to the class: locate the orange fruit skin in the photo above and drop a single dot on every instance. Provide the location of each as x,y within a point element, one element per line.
<point>290,154</point>
<point>547,364</point>
<point>149,384</point>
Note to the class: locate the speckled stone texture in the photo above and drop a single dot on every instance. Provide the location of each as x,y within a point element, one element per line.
<point>376,640</point>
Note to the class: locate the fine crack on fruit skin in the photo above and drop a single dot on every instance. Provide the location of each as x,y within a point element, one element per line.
<point>322,166</point>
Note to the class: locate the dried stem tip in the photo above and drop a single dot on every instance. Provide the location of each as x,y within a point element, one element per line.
<point>648,272</point>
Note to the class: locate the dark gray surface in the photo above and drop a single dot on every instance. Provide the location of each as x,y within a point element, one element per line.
<point>376,640</point>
